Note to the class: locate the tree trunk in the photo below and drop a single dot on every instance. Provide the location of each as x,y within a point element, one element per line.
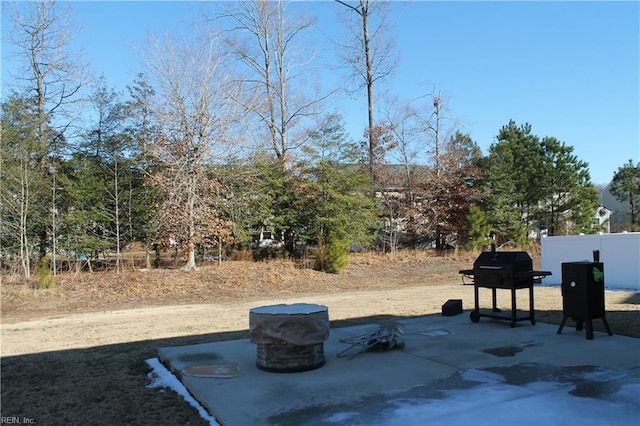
<point>25,253</point>
<point>191,260</point>
<point>367,54</point>
<point>191,226</point>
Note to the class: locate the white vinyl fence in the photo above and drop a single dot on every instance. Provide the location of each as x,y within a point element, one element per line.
<point>620,254</point>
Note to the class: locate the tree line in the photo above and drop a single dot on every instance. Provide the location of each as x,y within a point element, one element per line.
<point>220,140</point>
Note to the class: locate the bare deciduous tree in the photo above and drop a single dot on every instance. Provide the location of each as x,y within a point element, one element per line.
<point>268,39</point>
<point>370,53</point>
<point>407,134</point>
<point>51,73</point>
<point>193,113</point>
<point>435,125</point>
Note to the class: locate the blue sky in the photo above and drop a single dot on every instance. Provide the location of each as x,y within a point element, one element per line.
<point>570,69</point>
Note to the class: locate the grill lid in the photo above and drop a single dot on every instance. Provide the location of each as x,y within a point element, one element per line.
<point>517,261</point>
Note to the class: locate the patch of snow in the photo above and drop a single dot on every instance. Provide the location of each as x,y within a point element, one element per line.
<point>482,376</point>
<point>434,332</point>
<point>342,417</point>
<point>162,378</point>
<point>603,375</point>
<point>517,405</point>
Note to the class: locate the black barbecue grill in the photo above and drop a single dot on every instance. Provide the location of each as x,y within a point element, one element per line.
<point>511,270</point>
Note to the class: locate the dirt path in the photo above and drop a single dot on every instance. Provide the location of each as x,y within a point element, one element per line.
<point>120,326</point>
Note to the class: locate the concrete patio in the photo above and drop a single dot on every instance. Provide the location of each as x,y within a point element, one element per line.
<point>450,372</point>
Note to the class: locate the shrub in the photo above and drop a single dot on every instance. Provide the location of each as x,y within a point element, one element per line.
<point>333,256</point>
<point>44,273</point>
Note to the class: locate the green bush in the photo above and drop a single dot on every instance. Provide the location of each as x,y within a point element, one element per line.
<point>333,256</point>
<point>44,273</point>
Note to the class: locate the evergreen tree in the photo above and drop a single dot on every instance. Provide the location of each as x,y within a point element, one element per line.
<point>512,184</point>
<point>336,210</point>
<point>478,228</point>
<point>626,188</point>
<point>142,129</point>
<point>570,199</point>
<point>278,211</point>
<point>530,183</point>
<point>85,229</point>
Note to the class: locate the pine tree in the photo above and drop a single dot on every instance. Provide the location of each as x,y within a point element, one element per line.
<point>337,211</point>
<point>626,187</point>
<point>569,196</point>
<point>530,183</point>
<point>479,228</point>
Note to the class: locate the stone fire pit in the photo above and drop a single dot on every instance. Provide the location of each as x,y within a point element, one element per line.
<point>289,338</point>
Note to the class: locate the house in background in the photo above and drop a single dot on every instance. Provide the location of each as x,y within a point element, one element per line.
<point>603,219</point>
<point>619,218</point>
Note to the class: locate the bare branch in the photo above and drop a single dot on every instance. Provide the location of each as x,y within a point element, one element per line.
<point>371,56</point>
<point>266,38</point>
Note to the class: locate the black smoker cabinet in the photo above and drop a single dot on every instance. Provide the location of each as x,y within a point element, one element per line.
<point>583,295</point>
